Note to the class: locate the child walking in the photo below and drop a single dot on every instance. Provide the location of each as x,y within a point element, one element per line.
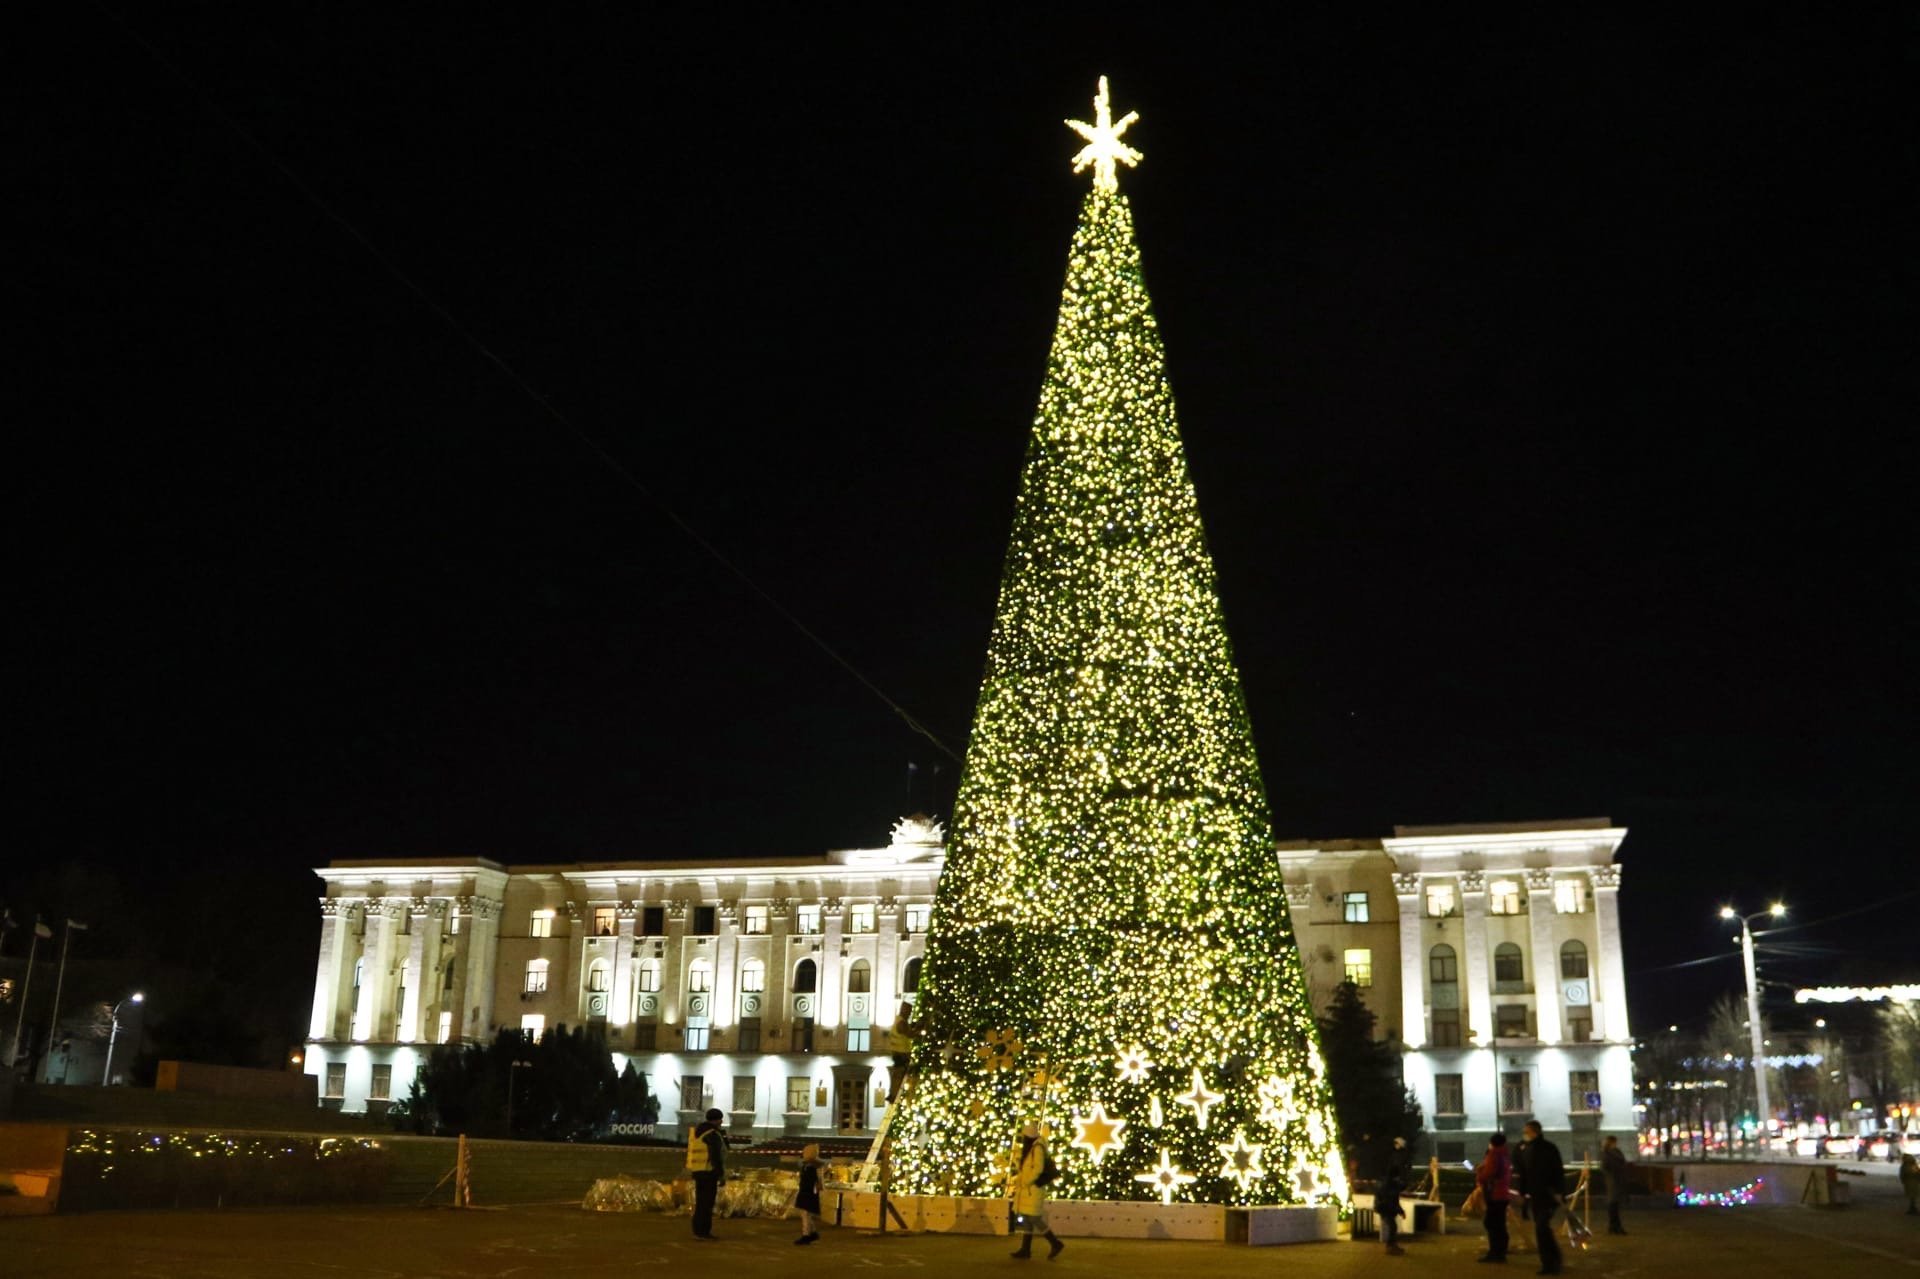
<point>808,1200</point>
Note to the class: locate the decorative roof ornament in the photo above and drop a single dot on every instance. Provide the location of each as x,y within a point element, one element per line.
<point>1104,146</point>
<point>918,831</point>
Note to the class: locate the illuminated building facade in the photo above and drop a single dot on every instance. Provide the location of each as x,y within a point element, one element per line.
<point>771,988</point>
<point>1493,954</point>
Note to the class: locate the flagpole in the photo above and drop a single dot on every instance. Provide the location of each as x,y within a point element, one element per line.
<point>59,984</point>
<point>26,988</point>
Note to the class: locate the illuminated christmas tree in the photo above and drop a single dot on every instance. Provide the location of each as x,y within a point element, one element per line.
<point>1110,951</point>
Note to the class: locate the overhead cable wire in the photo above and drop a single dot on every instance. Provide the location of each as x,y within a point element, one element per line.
<point>487,353</point>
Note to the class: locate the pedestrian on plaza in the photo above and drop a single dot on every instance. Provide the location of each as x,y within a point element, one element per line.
<point>1386,1200</point>
<point>1910,1182</point>
<point>1494,1177</point>
<point>1614,1160</point>
<point>1543,1180</point>
<point>1030,1173</point>
<point>808,1200</point>
<point>707,1162</point>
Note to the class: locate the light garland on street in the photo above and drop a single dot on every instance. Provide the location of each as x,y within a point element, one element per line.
<point>1684,1198</point>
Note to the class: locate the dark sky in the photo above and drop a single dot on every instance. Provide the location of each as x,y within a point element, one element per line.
<point>1544,379</point>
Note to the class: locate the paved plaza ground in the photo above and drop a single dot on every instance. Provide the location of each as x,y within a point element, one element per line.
<point>1872,1236</point>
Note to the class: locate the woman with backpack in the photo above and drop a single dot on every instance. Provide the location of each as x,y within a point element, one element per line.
<point>1032,1171</point>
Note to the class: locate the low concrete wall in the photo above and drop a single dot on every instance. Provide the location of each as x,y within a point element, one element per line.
<point>1090,1219</point>
<point>235,1081</point>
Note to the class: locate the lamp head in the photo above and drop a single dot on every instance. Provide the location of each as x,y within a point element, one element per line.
<point>1726,912</point>
<point>1778,909</point>
<point>137,997</point>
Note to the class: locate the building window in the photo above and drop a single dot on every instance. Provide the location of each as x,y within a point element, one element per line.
<point>1508,965</point>
<point>1446,1028</point>
<point>653,921</point>
<point>536,983</point>
<point>693,1092</point>
<point>1570,896</point>
<point>1580,1026</point>
<point>806,977</point>
<point>799,1094</point>
<point>860,919</point>
<point>446,1028</point>
<point>753,977</point>
<point>1359,966</point>
<point>605,921</point>
<point>1353,908</point>
<point>646,1036</point>
<point>1573,960</point>
<point>803,1034</point>
<point>859,978</point>
<point>1510,1021</point>
<point>910,977</point>
<point>1449,1095</point>
<point>382,1085</point>
<point>532,1027</point>
<point>700,977</point>
<point>806,919</point>
<point>540,924</point>
<point>696,1039</point>
<point>858,1038</point>
<point>749,1035</point>
<point>743,1093</point>
<point>1443,966</point>
<point>917,918</point>
<point>756,920</point>
<point>1503,897</point>
<point>649,978</point>
<point>336,1079</point>
<point>1441,901</point>
<point>1516,1093</point>
<point>1579,1084</point>
<point>706,921</point>
<point>597,978</point>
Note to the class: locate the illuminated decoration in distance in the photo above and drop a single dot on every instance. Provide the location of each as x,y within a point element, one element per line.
<point>1104,150</point>
<point>1111,905</point>
<point>1856,994</point>
<point>1684,1198</point>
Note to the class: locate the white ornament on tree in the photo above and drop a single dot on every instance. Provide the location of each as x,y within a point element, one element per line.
<point>1200,1099</point>
<point>1165,1177</point>
<point>1104,148</point>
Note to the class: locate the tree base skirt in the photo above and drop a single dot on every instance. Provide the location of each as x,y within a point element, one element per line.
<point>1091,1219</point>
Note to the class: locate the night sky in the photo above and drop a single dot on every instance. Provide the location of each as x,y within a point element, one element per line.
<point>1544,381</point>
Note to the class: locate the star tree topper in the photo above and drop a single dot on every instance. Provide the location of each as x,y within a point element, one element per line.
<point>1104,146</point>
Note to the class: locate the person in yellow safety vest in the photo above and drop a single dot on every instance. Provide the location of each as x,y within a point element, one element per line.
<point>707,1162</point>
<point>1032,1171</point>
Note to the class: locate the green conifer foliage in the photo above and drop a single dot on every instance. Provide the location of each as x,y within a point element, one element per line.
<point>1110,951</point>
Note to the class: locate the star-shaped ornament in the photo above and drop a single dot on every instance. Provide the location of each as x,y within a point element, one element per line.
<point>1277,1106</point>
<point>1097,1132</point>
<point>1243,1161</point>
<point>1308,1178</point>
<point>1104,149</point>
<point>1200,1100</point>
<point>976,1108</point>
<point>1133,1065</point>
<point>1165,1177</point>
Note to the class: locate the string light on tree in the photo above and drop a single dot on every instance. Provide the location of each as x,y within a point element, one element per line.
<point>1110,905</point>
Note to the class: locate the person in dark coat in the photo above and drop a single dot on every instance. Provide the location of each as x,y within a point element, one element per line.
<point>1494,1176</point>
<point>1543,1180</point>
<point>1386,1202</point>
<point>707,1162</point>
<point>808,1200</point>
<point>1614,1160</point>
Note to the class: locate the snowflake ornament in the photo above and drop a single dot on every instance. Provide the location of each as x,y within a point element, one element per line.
<point>999,1050</point>
<point>1277,1106</point>
<point>1133,1066</point>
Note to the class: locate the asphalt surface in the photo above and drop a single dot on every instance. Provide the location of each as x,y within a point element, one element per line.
<point>1873,1236</point>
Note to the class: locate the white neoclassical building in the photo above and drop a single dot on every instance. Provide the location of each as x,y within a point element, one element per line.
<point>770,988</point>
<point>1493,954</point>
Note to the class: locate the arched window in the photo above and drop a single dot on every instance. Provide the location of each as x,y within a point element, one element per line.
<point>859,978</point>
<point>597,973</point>
<point>648,977</point>
<point>753,977</point>
<point>1507,963</point>
<point>1442,964</point>
<point>806,977</point>
<point>910,977</point>
<point>700,976</point>
<point>1573,959</point>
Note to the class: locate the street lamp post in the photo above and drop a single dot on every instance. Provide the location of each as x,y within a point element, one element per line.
<point>106,1075</point>
<point>1763,1110</point>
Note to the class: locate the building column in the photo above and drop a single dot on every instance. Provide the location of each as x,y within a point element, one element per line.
<point>1413,986</point>
<point>1545,958</point>
<point>413,993</point>
<point>832,993</point>
<point>326,982</point>
<point>886,965</point>
<point>620,1010</point>
<point>1478,985</point>
<point>673,969</point>
<point>726,968</point>
<point>1610,1010</point>
<point>382,966</point>
<point>478,958</point>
